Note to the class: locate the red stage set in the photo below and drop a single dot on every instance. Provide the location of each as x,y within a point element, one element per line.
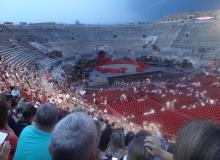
<point>103,60</point>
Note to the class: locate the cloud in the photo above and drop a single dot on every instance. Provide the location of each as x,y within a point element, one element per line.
<point>151,9</point>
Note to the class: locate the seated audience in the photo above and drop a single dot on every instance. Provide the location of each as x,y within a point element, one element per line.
<point>12,138</point>
<point>34,139</point>
<point>74,138</point>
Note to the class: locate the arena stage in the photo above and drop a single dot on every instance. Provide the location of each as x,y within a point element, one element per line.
<point>131,73</point>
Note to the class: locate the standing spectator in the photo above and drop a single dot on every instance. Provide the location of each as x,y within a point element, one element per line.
<point>128,138</point>
<point>28,113</point>
<point>117,148</point>
<point>12,114</point>
<point>34,140</point>
<point>12,138</point>
<point>104,141</point>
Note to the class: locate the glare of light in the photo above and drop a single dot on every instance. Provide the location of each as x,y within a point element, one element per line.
<point>205,18</point>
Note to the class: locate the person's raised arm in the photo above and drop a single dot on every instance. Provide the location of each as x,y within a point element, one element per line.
<point>152,145</point>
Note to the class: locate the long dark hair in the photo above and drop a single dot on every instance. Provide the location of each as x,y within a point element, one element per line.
<point>137,151</point>
<point>199,140</point>
<point>4,107</point>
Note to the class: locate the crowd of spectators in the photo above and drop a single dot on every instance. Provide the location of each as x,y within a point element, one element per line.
<point>38,129</point>
<point>78,136</point>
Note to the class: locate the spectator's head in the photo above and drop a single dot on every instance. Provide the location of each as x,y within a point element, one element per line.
<point>74,138</point>
<point>13,101</point>
<point>28,112</point>
<point>105,138</point>
<point>198,140</point>
<point>128,137</point>
<point>8,97</point>
<point>15,88</point>
<point>46,116</point>
<point>12,88</point>
<point>117,139</point>
<point>137,151</point>
<point>4,107</point>
<point>143,133</point>
<point>20,105</point>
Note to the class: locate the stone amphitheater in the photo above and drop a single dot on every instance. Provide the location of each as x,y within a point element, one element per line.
<point>29,44</point>
<point>191,36</point>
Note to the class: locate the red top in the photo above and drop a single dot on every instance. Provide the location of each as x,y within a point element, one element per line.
<point>13,140</point>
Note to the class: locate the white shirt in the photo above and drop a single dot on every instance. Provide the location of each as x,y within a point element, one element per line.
<point>15,92</point>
